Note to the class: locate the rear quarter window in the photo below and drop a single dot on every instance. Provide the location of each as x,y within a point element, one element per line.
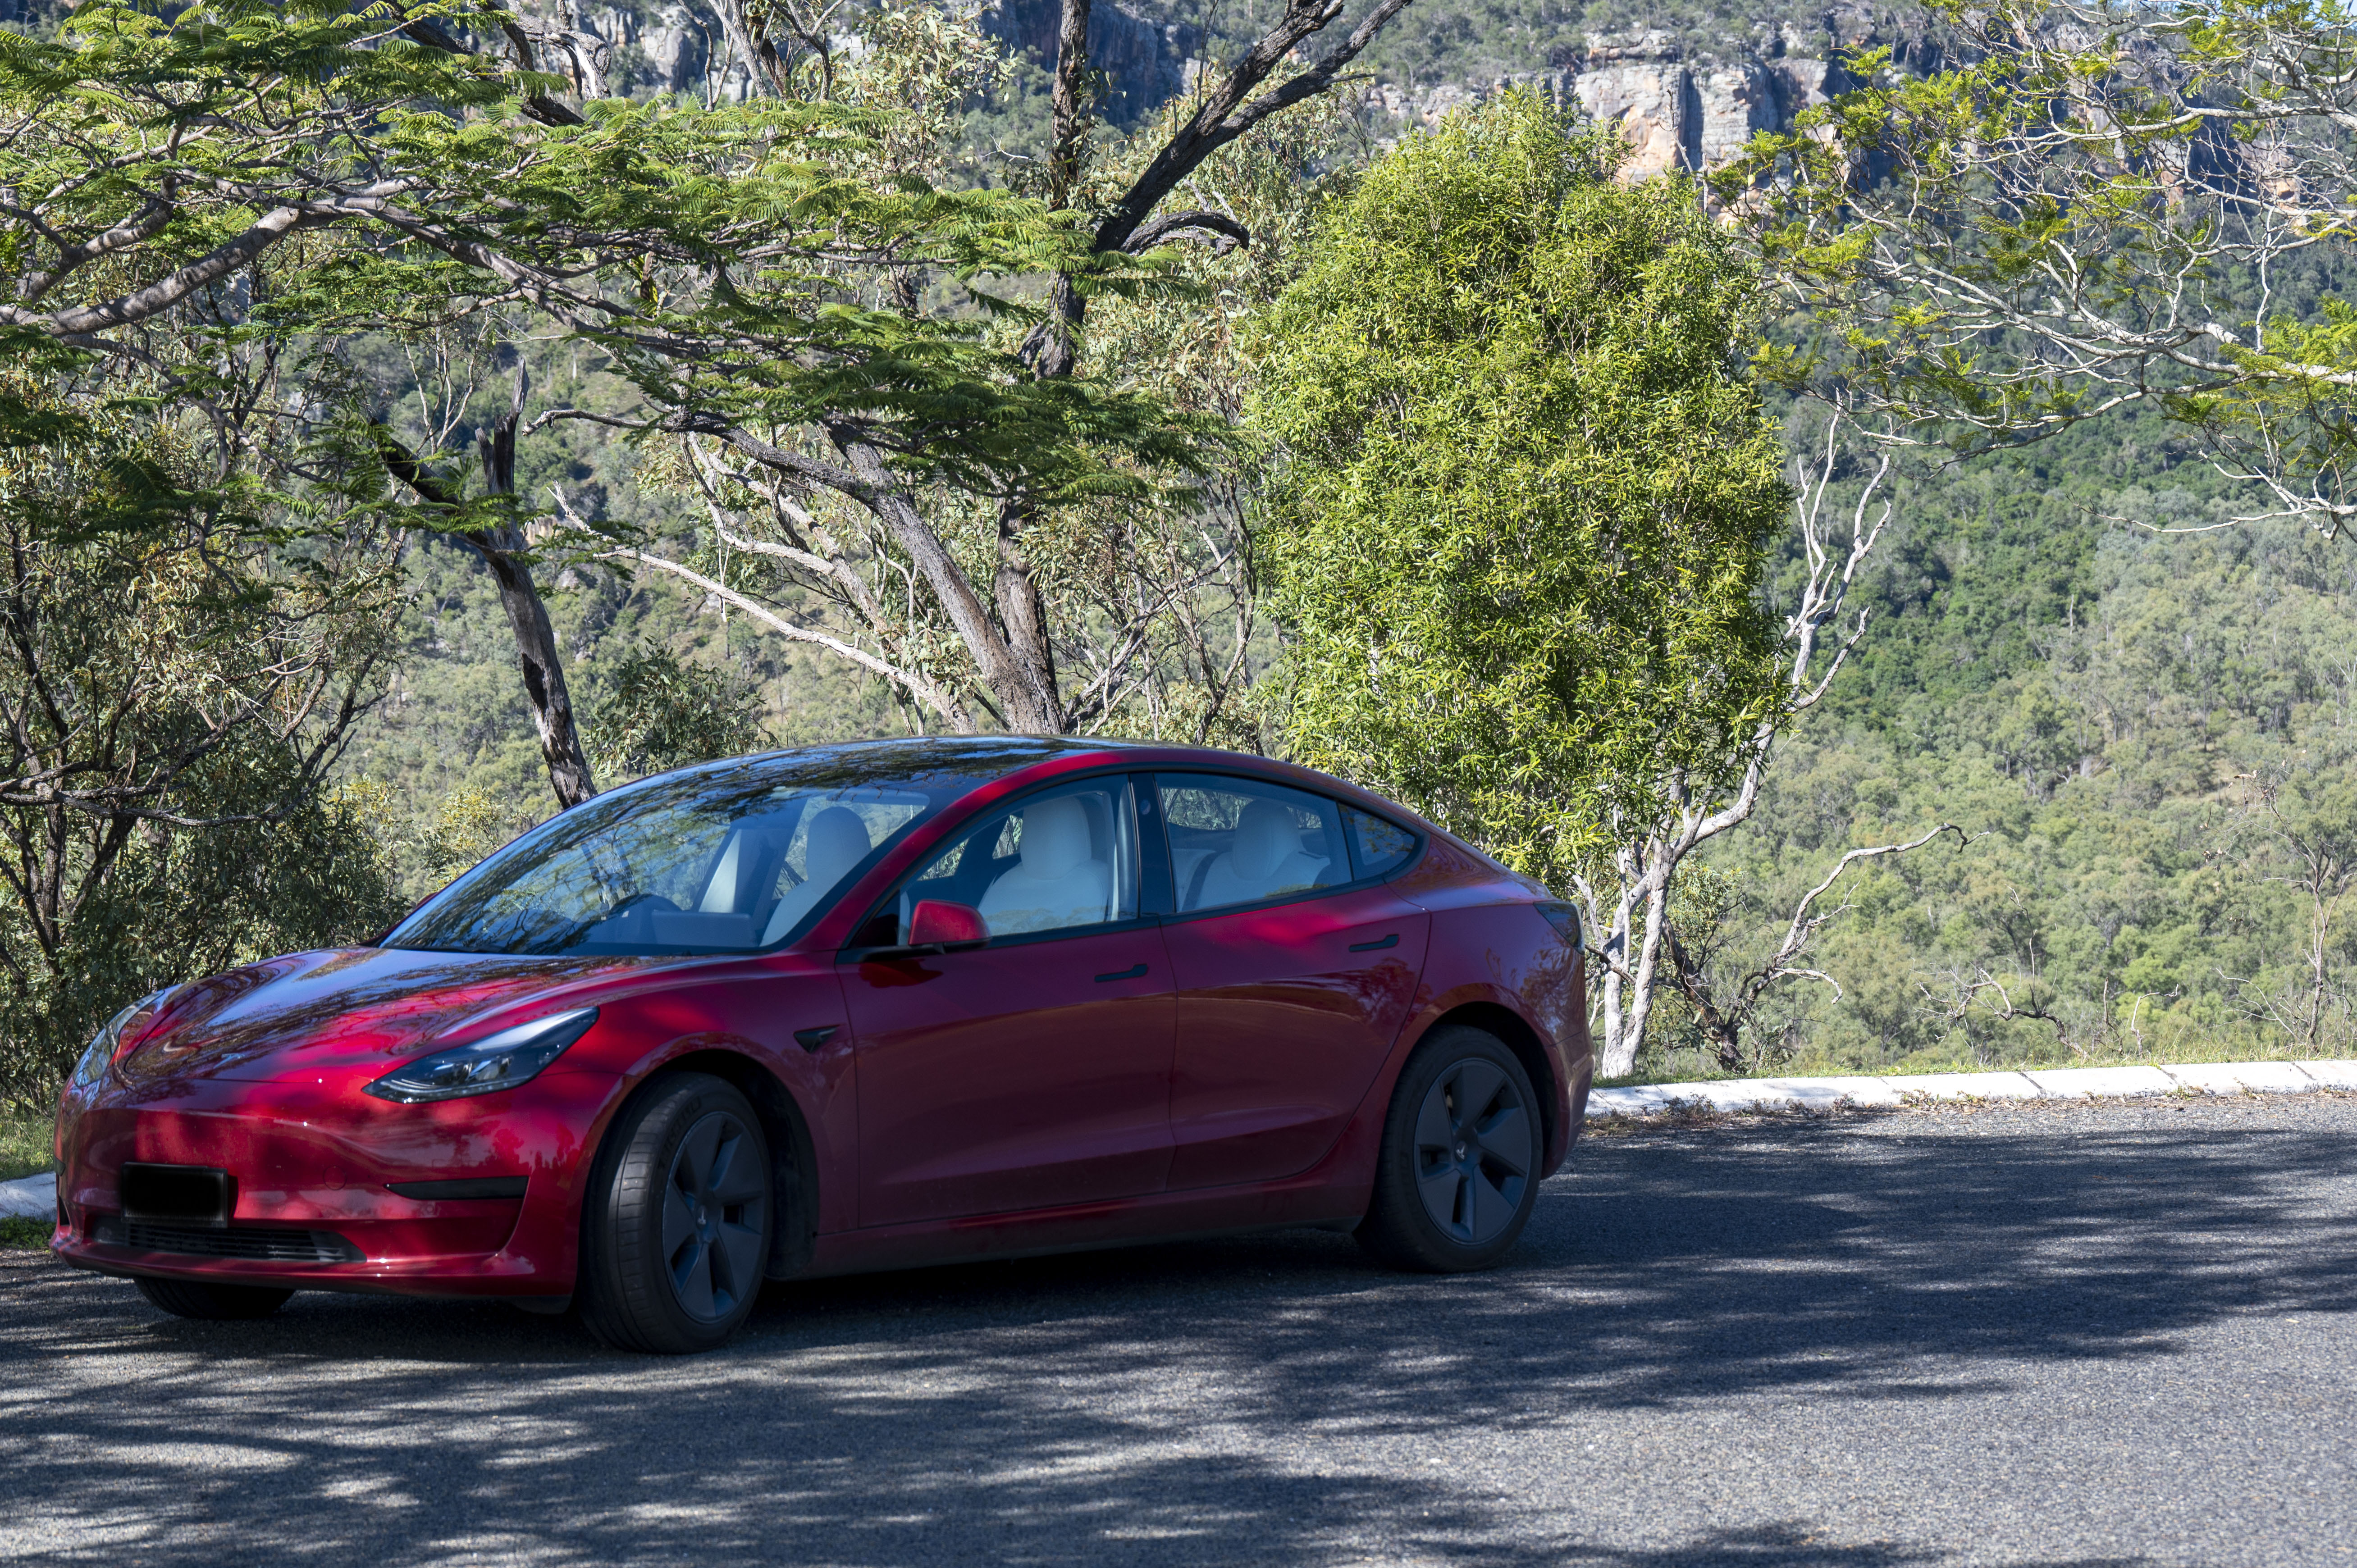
<point>1378,846</point>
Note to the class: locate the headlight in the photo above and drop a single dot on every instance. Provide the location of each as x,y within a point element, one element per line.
<point>480,1067</point>
<point>90,1070</point>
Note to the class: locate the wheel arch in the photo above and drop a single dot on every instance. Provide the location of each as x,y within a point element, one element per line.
<point>793,1155</point>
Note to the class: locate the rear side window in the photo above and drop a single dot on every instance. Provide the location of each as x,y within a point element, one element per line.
<point>1379,846</point>
<point>1239,840</point>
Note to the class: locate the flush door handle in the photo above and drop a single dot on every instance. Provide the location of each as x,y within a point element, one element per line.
<point>1133,972</point>
<point>1389,941</point>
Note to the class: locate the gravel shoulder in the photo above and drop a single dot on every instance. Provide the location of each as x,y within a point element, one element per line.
<point>2054,1334</point>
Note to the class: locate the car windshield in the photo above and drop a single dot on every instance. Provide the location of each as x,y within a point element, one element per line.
<point>730,858</point>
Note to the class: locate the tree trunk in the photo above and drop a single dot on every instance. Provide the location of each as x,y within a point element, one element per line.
<point>537,654</point>
<point>543,665</point>
<point>1023,612</point>
<point>502,548</point>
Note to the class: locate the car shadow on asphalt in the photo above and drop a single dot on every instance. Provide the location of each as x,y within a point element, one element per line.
<point>1259,1399</point>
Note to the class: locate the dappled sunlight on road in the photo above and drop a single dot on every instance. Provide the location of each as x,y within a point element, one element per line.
<point>1812,1343</point>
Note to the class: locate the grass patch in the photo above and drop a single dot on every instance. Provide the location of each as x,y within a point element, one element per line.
<point>25,1143</point>
<point>19,1233</point>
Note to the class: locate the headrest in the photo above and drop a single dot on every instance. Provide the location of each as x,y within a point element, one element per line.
<point>838,841</point>
<point>1264,836</point>
<point>1055,837</point>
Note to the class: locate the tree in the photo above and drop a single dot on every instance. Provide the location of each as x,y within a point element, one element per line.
<point>2104,206</point>
<point>1528,499</point>
<point>2307,815</point>
<point>759,271</point>
<point>179,194</point>
<point>656,711</point>
<point>1155,608</point>
<point>1040,454</point>
<point>1725,995</point>
<point>177,677</point>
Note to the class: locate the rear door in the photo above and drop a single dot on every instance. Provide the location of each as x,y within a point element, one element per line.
<point>1034,1072</point>
<point>1295,967</point>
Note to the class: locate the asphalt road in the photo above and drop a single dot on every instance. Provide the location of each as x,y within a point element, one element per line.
<point>2029,1335</point>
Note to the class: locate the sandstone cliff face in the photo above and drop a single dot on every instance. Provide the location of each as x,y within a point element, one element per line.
<point>671,46</point>
<point>1680,107</point>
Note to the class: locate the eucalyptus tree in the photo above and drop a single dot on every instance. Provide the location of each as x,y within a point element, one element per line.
<point>2100,205</point>
<point>995,594</point>
<point>183,655</point>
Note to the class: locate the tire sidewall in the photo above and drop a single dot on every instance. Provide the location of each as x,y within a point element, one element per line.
<point>1397,1228</point>
<point>628,1301</point>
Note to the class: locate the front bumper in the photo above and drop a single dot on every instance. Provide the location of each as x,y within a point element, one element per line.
<point>313,1163</point>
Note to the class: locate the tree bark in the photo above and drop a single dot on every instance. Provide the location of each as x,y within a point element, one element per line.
<point>503,550</point>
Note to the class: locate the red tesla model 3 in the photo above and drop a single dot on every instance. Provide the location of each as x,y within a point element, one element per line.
<point>856,1008</point>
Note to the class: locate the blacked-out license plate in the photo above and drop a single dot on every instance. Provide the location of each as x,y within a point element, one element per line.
<point>184,1193</point>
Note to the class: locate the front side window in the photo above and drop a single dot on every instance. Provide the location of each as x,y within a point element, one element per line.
<point>728,859</point>
<point>1060,862</point>
<point>1239,840</point>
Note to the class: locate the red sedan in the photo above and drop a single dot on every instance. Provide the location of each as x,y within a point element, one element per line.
<point>850,1008</point>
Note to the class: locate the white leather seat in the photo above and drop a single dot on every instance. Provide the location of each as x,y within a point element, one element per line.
<point>1263,858</point>
<point>837,842</point>
<point>1058,882</point>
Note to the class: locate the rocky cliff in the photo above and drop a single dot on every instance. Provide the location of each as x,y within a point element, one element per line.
<point>1683,103</point>
<point>1684,100</point>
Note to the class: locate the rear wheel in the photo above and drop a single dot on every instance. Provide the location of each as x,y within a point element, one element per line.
<point>676,1231</point>
<point>1457,1173</point>
<point>213,1303</point>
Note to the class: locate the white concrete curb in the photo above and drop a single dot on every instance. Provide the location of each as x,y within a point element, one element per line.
<point>2062,1083</point>
<point>29,1197</point>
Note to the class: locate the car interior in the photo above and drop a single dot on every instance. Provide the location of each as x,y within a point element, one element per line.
<point>1228,846</point>
<point>766,873</point>
<point>1051,864</point>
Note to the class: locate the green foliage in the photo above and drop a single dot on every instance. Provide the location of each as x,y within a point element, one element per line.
<point>2098,705</point>
<point>1529,492</point>
<point>178,684</point>
<point>2097,206</point>
<point>655,711</point>
<point>468,824</point>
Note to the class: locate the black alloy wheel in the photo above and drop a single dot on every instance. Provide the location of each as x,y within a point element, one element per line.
<point>209,1302</point>
<point>1457,1177</point>
<point>675,1235</point>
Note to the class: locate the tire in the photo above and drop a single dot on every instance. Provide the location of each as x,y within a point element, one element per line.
<point>675,1232</point>
<point>1457,1175</point>
<point>213,1303</point>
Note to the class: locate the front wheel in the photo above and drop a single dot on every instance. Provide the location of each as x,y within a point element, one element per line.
<point>676,1231</point>
<point>1457,1173</point>
<point>212,1303</point>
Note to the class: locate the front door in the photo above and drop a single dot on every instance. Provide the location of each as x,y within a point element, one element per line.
<point>1034,1072</point>
<point>1295,974</point>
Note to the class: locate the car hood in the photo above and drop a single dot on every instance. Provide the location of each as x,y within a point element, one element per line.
<point>359,1007</point>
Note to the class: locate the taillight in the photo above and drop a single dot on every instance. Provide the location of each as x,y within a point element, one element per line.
<point>1565,921</point>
